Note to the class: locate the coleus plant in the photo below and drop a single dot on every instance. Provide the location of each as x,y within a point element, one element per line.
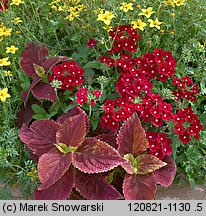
<point>36,65</point>
<point>67,159</point>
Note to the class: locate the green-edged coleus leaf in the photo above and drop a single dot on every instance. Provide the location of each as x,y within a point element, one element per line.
<point>35,63</point>
<point>52,166</point>
<point>131,138</point>
<point>95,187</point>
<point>166,174</point>
<point>40,137</point>
<point>94,156</point>
<point>143,164</point>
<point>72,131</point>
<point>58,191</point>
<point>139,187</point>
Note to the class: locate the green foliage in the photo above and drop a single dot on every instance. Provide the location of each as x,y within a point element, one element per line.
<point>5,194</point>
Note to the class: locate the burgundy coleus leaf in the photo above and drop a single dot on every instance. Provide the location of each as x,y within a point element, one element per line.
<point>37,54</point>
<point>139,187</point>
<point>25,114</point>
<point>33,54</point>
<point>58,191</point>
<point>53,61</point>
<point>44,91</point>
<point>25,94</point>
<point>94,156</point>
<point>95,187</point>
<point>108,138</point>
<point>131,138</point>
<point>73,112</point>
<point>72,131</point>
<point>165,175</point>
<point>40,136</point>
<point>52,166</point>
<point>148,163</point>
<point>33,60</point>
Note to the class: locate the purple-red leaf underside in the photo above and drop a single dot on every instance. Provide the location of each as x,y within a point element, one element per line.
<point>52,166</point>
<point>139,187</point>
<point>94,156</point>
<point>58,191</point>
<point>165,175</point>
<point>40,136</point>
<point>95,187</point>
<point>131,138</point>
<point>72,131</point>
<point>149,163</point>
<point>44,91</point>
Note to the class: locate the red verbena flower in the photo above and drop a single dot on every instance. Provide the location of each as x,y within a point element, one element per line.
<point>82,96</point>
<point>91,43</point>
<point>97,93</point>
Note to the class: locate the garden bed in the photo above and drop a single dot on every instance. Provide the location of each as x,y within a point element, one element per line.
<point>104,93</point>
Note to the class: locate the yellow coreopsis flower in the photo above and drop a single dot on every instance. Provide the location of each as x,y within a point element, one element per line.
<point>5,32</point>
<point>138,24</point>
<point>12,49</point>
<point>146,12</point>
<point>17,2</point>
<point>107,28</point>
<point>5,62</point>
<point>17,20</point>
<point>126,6</point>
<point>72,16</point>
<point>155,23</point>
<point>170,3</point>
<point>179,2</point>
<point>106,17</point>
<point>200,46</point>
<point>7,73</point>
<point>4,94</point>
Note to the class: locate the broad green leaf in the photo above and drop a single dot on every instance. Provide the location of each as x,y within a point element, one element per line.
<point>93,64</point>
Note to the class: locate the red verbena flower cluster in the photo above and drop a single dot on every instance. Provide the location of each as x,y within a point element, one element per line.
<point>125,38</point>
<point>82,96</point>
<point>116,111</point>
<point>69,74</point>
<point>159,144</point>
<point>187,89</point>
<point>135,84</point>
<point>187,124</point>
